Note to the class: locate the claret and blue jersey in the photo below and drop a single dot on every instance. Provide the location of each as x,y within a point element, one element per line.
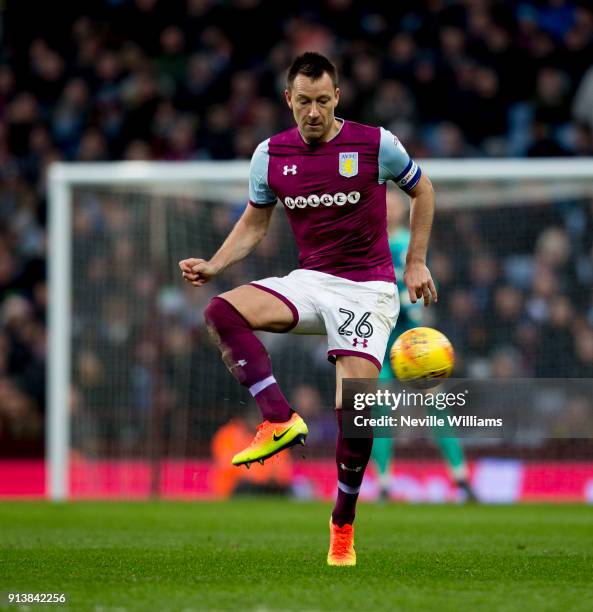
<point>334,194</point>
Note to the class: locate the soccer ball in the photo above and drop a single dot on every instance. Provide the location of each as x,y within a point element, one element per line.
<point>421,357</point>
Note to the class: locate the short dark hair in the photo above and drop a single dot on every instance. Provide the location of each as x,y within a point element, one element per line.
<point>312,65</point>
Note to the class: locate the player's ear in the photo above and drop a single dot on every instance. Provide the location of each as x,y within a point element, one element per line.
<point>288,98</point>
<point>337,95</point>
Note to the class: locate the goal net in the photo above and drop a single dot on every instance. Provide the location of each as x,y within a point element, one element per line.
<point>137,393</point>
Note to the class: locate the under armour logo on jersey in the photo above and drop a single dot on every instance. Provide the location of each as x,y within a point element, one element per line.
<point>241,362</point>
<point>290,169</point>
<point>364,342</point>
<point>358,468</point>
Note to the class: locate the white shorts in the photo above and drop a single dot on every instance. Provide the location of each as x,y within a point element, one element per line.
<point>357,317</point>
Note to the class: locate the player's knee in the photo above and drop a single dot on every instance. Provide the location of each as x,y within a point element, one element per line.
<point>212,313</point>
<point>216,316</point>
<point>220,315</point>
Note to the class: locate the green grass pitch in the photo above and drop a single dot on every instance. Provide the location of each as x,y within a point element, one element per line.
<point>270,555</point>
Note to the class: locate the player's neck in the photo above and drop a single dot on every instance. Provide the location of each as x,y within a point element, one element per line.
<point>331,134</point>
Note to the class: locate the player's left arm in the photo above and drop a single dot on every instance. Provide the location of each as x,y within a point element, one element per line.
<point>395,164</point>
<point>417,276</point>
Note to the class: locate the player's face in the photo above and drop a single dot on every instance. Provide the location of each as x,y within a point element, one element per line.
<point>313,104</point>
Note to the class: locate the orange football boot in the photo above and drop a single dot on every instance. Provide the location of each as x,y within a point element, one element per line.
<point>341,545</point>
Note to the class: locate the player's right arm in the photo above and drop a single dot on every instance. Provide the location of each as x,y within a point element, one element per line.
<point>248,231</point>
<point>244,237</point>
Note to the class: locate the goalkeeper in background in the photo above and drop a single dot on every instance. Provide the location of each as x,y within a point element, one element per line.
<point>410,316</point>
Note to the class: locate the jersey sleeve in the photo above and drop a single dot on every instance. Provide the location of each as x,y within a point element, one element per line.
<point>395,164</point>
<point>260,194</point>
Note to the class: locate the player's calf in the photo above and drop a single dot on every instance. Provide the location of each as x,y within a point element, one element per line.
<point>352,457</point>
<point>246,358</point>
<point>248,361</point>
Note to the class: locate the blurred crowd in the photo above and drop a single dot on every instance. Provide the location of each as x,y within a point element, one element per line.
<point>203,79</point>
<point>518,287</point>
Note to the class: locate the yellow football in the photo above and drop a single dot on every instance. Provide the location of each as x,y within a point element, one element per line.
<point>421,357</point>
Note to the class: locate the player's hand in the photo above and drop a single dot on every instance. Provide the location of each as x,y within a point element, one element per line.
<point>197,272</point>
<point>419,283</point>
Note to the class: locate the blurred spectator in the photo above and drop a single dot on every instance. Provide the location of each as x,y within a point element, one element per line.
<point>583,101</point>
<point>584,353</point>
<point>320,418</point>
<point>555,351</point>
<point>450,142</point>
<point>505,363</point>
<point>508,310</point>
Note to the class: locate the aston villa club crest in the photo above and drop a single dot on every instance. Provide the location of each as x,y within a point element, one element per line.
<point>348,164</point>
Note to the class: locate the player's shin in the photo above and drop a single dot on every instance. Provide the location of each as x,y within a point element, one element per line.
<point>246,358</point>
<point>352,456</point>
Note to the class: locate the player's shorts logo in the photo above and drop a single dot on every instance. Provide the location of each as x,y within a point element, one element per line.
<point>289,169</point>
<point>339,199</point>
<point>348,165</point>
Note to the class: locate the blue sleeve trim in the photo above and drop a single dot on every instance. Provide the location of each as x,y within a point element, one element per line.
<point>260,193</point>
<point>399,177</point>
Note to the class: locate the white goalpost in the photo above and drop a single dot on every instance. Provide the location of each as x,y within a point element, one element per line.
<point>149,191</point>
